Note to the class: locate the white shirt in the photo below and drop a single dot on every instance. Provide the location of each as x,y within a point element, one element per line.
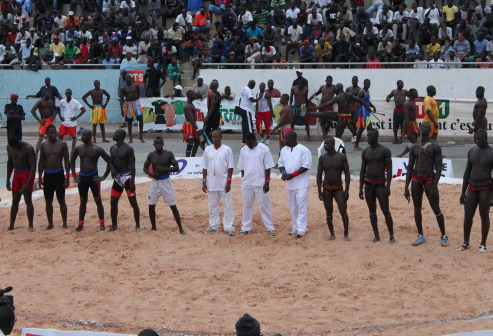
<point>245,102</point>
<point>435,65</point>
<point>417,15</point>
<point>398,16</point>
<point>60,21</point>
<point>374,31</point>
<point>295,33</point>
<point>247,17</point>
<point>434,15</point>
<point>312,20</point>
<point>420,64</point>
<point>270,53</point>
<point>184,21</point>
<point>217,162</point>
<point>87,35</point>
<point>381,16</point>
<point>254,162</point>
<point>26,51</point>
<point>292,13</point>
<point>293,159</point>
<point>68,110</point>
<point>125,5</point>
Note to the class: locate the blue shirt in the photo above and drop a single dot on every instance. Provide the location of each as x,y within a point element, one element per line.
<point>256,34</point>
<point>480,46</point>
<point>42,92</point>
<point>412,51</point>
<point>111,61</point>
<point>307,53</point>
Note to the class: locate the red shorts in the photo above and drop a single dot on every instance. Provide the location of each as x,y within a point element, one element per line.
<point>64,130</point>
<point>42,128</point>
<point>265,117</point>
<point>20,180</point>
<point>282,132</point>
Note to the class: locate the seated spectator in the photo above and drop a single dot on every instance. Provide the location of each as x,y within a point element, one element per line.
<point>384,17</point>
<point>202,22</point>
<point>239,32</point>
<point>237,51</point>
<point>484,58</point>
<point>127,6</point>
<point>450,12</point>
<point>433,14</point>
<point>174,71</point>
<point>200,89</point>
<point>229,19</point>
<point>190,47</point>
<point>370,35</point>
<point>372,62</point>
<point>268,53</point>
<point>83,52</point>
<point>384,51</point>
<point>399,23</point>
<point>479,44</point>
<point>154,8</point>
<point>154,52</point>
<point>228,94</point>
<point>279,20</point>
<point>71,52</point>
<point>58,50</point>
<point>465,29</point>
<point>130,47</point>
<point>197,62</point>
<point>218,52</point>
<point>482,13</point>
<point>254,32</point>
<point>245,18</point>
<point>328,34</point>
<point>462,48</point>
<point>347,17</point>
<point>302,17</point>
<point>412,51</point>
<point>115,50</point>
<point>323,51</point>
<point>59,20</point>
<point>316,32</point>
<point>26,50</point>
<point>253,52</point>
<point>261,15</point>
<point>218,7</point>
<point>427,30</point>
<point>307,53</point>
<point>46,20</point>
<point>385,32</point>
<point>331,15</point>
<point>398,52</point>
<point>294,37</point>
<point>435,62</point>
<point>444,33</point>
<point>446,47</point>
<point>85,33</point>
<point>421,63</point>
<point>362,19</point>
<point>21,37</point>
<point>222,33</point>
<point>128,60</point>
<point>170,51</point>
<point>7,53</point>
<point>184,19</point>
<point>142,49</point>
<point>489,48</point>
<point>341,49</point>
<point>359,50</point>
<point>343,30</point>
<point>377,5</point>
<point>356,5</point>
<point>279,61</point>
<point>432,47</point>
<point>175,34</point>
<point>108,62</point>
<point>72,20</point>
<point>269,36</point>
<point>171,9</point>
<point>415,19</point>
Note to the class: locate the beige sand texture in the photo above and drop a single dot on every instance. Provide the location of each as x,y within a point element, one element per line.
<point>124,281</point>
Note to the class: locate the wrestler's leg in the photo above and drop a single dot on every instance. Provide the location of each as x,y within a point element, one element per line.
<point>176,214</point>
<point>16,198</point>
<point>135,206</point>
<point>141,129</point>
<point>342,205</point>
<point>307,128</point>
<point>63,211</point>
<point>351,127</point>
<point>383,200</point>
<point>103,132</point>
<point>94,129</point>
<point>49,213</point>
<point>152,215</point>
<point>417,195</point>
<point>325,131</point>
<point>30,209</point>
<point>38,144</point>
<point>340,127</point>
<point>434,200</point>
<point>470,206</point>
<point>130,137</point>
<point>329,209</point>
<point>484,212</point>
<point>196,145</point>
<point>371,201</point>
<point>358,137</point>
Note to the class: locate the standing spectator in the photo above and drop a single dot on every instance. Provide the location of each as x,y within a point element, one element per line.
<point>450,12</point>
<point>462,48</point>
<point>323,51</point>
<point>434,14</point>
<point>400,22</point>
<point>15,114</point>
<point>412,51</point>
<point>202,22</point>
<point>294,42</point>
<point>415,19</point>
<point>154,80</point>
<point>253,52</point>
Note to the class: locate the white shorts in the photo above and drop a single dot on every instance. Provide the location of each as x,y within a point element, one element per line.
<point>161,188</point>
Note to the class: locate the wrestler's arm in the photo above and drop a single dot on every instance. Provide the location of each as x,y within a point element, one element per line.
<point>84,99</point>
<point>41,166</point>
<point>406,113</point>
<point>269,102</point>
<point>10,169</point>
<point>106,158</point>
<point>319,91</point>
<point>33,111</point>
<point>137,90</point>
<point>359,100</point>
<point>66,161</point>
<point>465,178</point>
<point>410,167</point>
<point>147,163</point>
<point>330,102</point>
<point>389,96</point>
<point>131,161</point>
<point>74,156</point>
<point>362,173</point>
<point>291,97</point>
<point>32,165</point>
<point>174,168</point>
<point>438,163</point>
<point>122,98</point>
<point>404,152</point>
<point>388,168</point>
<point>481,114</point>
<point>347,175</point>
<point>107,98</point>
<point>319,177</point>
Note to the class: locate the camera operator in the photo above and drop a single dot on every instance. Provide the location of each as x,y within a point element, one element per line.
<point>7,316</point>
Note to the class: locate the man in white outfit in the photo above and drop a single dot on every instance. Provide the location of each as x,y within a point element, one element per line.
<point>255,163</point>
<point>295,162</point>
<point>217,164</point>
<point>246,105</point>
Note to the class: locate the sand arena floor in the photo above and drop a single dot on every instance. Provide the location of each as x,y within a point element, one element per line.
<point>124,281</point>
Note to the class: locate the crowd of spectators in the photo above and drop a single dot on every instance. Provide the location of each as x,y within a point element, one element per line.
<point>111,32</point>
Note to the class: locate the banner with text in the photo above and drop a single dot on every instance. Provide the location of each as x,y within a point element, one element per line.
<point>53,332</point>
<point>189,166</point>
<point>399,167</point>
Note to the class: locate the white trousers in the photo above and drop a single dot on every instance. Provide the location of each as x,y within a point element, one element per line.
<point>298,202</point>
<point>249,193</point>
<point>228,217</point>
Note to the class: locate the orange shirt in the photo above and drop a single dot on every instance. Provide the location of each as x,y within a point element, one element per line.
<point>432,105</point>
<point>68,22</point>
<point>201,20</point>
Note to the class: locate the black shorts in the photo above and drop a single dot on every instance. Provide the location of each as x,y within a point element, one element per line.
<point>53,182</point>
<point>117,190</point>
<point>87,182</point>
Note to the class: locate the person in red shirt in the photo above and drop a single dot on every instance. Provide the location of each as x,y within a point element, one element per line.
<point>12,35</point>
<point>115,50</point>
<point>274,93</point>
<point>372,62</point>
<point>191,45</point>
<point>202,22</point>
<point>83,53</point>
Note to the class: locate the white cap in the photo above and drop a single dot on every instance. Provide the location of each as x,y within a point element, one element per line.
<point>301,72</point>
<point>200,77</point>
<point>70,13</point>
<point>129,37</point>
<point>178,87</point>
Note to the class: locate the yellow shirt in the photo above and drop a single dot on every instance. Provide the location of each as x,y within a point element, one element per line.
<point>318,48</point>
<point>450,12</point>
<point>430,49</point>
<point>59,49</point>
<point>432,105</point>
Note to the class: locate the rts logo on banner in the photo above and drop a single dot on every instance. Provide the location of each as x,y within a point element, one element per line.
<point>443,108</point>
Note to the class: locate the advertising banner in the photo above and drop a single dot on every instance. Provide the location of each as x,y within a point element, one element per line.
<point>53,332</point>
<point>399,167</point>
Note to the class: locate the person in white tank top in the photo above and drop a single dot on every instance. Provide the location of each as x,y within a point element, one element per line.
<point>264,113</point>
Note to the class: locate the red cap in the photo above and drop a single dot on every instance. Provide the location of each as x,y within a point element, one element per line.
<point>56,37</point>
<point>14,96</point>
<point>306,41</point>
